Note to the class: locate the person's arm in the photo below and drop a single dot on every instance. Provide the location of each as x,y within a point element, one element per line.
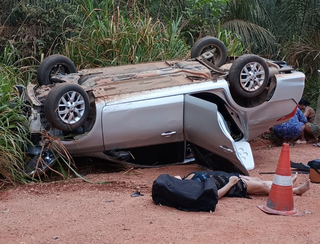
<point>307,112</point>
<point>301,117</point>
<point>232,181</point>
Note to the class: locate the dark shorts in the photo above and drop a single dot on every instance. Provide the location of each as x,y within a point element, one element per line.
<point>315,129</point>
<point>221,178</point>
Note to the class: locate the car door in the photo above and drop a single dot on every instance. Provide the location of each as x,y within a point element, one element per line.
<point>204,126</point>
<point>143,123</point>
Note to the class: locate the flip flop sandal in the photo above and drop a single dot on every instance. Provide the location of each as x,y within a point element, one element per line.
<point>300,166</point>
<point>300,142</point>
<point>137,194</point>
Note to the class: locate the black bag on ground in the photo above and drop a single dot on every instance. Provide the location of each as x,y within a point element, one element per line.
<point>314,174</point>
<point>188,195</point>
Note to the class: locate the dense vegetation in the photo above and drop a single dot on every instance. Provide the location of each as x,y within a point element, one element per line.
<point>104,32</point>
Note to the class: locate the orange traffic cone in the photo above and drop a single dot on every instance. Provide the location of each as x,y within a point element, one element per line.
<point>280,200</point>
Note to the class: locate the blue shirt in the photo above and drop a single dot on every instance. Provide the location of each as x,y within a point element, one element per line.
<point>292,128</point>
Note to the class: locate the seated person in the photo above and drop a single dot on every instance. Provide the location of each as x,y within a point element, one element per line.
<point>293,129</point>
<point>310,128</point>
<point>308,111</point>
<point>236,185</point>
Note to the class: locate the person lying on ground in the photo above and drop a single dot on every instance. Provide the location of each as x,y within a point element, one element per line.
<point>236,185</point>
<point>310,128</point>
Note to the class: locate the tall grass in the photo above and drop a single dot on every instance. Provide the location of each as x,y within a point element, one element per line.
<point>110,36</point>
<point>13,128</point>
<point>232,42</point>
<point>304,53</point>
<point>22,69</point>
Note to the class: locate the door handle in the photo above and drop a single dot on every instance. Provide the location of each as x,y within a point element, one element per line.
<point>226,149</point>
<point>168,133</point>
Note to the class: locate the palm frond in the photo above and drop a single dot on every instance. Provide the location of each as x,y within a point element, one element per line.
<point>299,15</point>
<point>305,53</point>
<point>260,40</point>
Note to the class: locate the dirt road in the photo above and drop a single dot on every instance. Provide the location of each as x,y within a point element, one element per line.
<point>77,212</point>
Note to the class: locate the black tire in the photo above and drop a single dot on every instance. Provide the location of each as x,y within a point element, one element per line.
<point>54,65</point>
<point>248,76</point>
<point>66,106</point>
<point>211,46</point>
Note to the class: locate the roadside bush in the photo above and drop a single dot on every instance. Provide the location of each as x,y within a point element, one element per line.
<point>36,27</point>
<point>303,53</point>
<point>13,129</point>
<point>111,36</point>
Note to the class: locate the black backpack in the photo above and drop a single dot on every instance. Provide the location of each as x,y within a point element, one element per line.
<point>188,195</point>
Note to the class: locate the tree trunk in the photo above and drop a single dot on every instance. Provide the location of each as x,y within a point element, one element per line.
<point>317,117</point>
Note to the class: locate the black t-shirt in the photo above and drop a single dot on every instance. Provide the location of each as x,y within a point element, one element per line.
<point>221,178</point>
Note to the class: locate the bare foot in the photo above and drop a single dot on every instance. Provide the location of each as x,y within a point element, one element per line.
<point>302,189</point>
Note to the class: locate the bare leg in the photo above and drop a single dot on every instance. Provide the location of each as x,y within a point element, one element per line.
<point>258,186</point>
<point>302,188</point>
<point>292,141</point>
<point>302,133</point>
<point>294,178</point>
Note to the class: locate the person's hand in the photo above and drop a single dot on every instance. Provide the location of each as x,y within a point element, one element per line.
<point>233,180</point>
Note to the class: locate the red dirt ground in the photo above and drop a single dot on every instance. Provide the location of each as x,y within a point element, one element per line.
<point>74,211</point>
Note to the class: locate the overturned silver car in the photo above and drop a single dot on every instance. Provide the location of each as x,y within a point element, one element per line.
<point>207,107</point>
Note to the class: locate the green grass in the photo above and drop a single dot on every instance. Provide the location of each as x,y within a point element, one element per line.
<point>232,42</point>
<point>13,129</point>
<point>113,38</point>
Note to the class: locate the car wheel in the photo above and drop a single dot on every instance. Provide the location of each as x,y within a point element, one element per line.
<point>212,49</point>
<point>52,66</point>
<point>66,106</point>
<point>248,76</point>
